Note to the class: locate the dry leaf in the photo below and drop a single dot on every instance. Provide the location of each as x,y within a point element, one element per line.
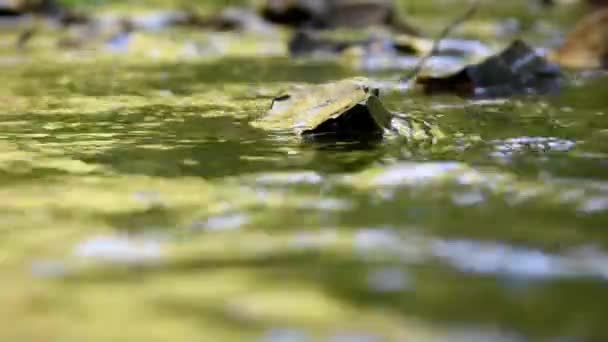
<point>587,45</point>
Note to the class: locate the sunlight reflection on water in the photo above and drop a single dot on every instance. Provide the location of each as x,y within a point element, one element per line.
<point>119,249</point>
<point>484,258</point>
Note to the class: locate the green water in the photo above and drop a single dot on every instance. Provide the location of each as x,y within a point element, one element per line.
<point>137,203</point>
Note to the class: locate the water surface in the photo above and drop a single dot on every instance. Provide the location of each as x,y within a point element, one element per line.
<point>137,203</point>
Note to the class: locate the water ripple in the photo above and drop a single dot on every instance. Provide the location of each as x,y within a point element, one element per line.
<point>484,258</point>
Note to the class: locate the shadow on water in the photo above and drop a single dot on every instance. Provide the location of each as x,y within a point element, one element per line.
<point>220,147</point>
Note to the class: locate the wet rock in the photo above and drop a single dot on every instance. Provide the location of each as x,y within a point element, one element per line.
<point>243,20</point>
<point>595,4</point>
<point>517,70</point>
<point>230,19</point>
<point>335,13</point>
<point>45,8</point>
<point>295,13</point>
<point>9,9</point>
<point>311,43</point>
<point>345,109</point>
<point>547,3</point>
<point>387,51</point>
<point>363,13</point>
<point>304,43</point>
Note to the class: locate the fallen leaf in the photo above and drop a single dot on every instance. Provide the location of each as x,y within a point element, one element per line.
<point>586,46</point>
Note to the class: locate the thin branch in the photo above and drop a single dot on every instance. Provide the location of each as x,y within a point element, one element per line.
<point>436,43</point>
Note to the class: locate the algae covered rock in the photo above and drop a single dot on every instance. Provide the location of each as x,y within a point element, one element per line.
<point>345,109</point>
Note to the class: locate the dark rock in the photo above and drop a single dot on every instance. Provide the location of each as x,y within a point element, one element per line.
<point>297,13</point>
<point>335,13</point>
<point>518,70</point>
<point>305,43</point>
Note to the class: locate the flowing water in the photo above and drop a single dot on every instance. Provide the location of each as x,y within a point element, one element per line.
<point>137,203</point>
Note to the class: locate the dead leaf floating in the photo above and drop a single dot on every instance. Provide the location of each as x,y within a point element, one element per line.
<point>587,45</point>
<point>517,70</point>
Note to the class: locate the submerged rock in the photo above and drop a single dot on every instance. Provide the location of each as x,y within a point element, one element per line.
<point>374,52</point>
<point>305,43</point>
<point>517,70</point>
<point>363,13</point>
<point>349,109</point>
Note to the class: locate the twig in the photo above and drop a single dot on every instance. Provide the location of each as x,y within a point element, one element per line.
<point>444,33</point>
<point>24,38</point>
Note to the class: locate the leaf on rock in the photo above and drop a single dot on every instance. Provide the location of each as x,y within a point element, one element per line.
<point>343,109</point>
<point>587,45</point>
<point>518,70</point>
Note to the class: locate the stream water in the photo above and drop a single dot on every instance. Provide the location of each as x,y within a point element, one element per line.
<point>136,202</point>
